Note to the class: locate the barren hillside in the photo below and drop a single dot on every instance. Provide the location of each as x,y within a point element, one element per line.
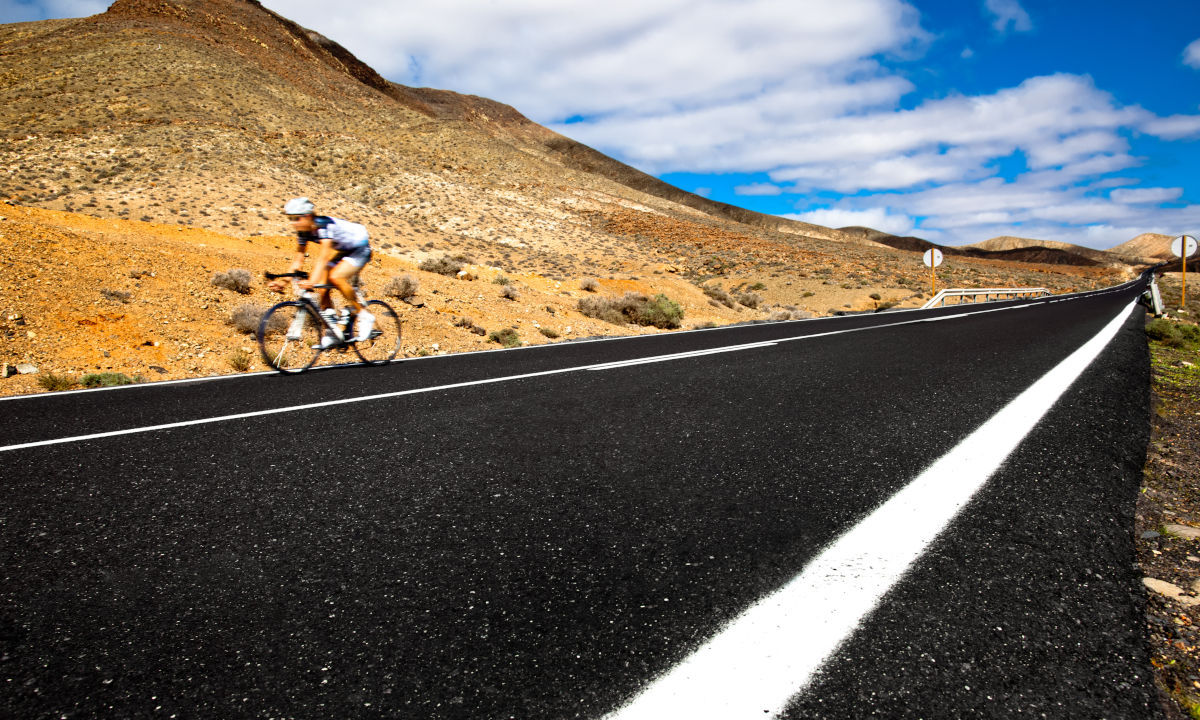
<point>1146,248</point>
<point>201,117</point>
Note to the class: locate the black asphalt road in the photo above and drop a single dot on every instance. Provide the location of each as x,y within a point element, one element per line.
<point>542,547</point>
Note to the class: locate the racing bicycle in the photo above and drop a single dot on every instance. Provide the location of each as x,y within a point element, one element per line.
<point>290,332</point>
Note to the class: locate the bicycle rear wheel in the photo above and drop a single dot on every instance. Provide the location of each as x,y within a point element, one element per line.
<point>384,343</point>
<point>289,337</point>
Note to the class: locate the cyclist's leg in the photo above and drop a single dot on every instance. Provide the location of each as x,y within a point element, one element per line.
<point>343,275</point>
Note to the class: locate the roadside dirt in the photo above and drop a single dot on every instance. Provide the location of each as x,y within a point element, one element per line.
<point>1169,508</point>
<point>82,295</point>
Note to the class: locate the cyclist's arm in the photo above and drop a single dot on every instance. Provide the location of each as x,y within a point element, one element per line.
<point>320,272</point>
<point>298,260</point>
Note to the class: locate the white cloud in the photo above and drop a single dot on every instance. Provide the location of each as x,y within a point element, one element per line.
<point>1191,54</point>
<point>1137,196</point>
<point>554,60</point>
<point>758,189</point>
<point>1006,13</point>
<point>877,218</point>
<point>1175,127</point>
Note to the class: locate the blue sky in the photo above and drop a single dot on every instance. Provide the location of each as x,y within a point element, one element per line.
<point>952,120</point>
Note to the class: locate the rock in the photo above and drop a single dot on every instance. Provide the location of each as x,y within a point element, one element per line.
<point>7,371</point>
<point>1151,534</point>
<point>464,275</point>
<point>26,369</point>
<point>1183,531</point>
<point>159,370</point>
<point>1166,589</point>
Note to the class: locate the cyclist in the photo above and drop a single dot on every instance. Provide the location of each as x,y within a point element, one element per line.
<point>344,251</point>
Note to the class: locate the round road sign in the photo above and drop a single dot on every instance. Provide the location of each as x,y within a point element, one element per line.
<point>933,257</point>
<point>1183,246</point>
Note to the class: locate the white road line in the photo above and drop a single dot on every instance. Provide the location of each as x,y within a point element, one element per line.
<point>487,381</point>
<point>769,653</point>
<point>681,356</point>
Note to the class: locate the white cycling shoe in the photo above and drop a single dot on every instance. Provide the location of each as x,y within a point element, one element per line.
<point>365,323</point>
<point>327,341</point>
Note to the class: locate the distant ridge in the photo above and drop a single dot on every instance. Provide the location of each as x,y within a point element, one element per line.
<point>1010,244</point>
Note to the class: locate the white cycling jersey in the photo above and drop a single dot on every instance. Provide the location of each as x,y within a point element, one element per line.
<point>346,235</point>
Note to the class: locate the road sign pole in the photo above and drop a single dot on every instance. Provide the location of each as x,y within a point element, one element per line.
<point>1183,247</point>
<point>932,258</point>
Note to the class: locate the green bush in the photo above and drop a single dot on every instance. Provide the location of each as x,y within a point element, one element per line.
<point>106,379</point>
<point>507,337</point>
<point>1174,334</point>
<point>661,312</point>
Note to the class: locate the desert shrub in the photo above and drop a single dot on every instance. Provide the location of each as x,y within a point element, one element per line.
<point>660,311</point>
<point>237,280</point>
<point>402,286</point>
<point>50,381</point>
<point>1173,334</point>
<point>607,309</point>
<point>509,293</point>
<point>246,317</point>
<point>469,324</point>
<point>876,296</point>
<point>116,295</point>
<point>507,337</point>
<point>107,379</point>
<point>757,286</point>
<point>750,300</point>
<point>502,280</point>
<point>717,293</point>
<point>589,285</point>
<point>780,316</point>
<point>239,360</point>
<point>548,332</point>
<point>444,265</point>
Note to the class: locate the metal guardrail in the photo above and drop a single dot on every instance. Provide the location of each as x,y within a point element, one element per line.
<point>987,295</point>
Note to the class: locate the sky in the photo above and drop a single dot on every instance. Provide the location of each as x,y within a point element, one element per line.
<point>951,120</point>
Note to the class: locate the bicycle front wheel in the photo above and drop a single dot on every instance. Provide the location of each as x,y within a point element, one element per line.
<point>289,337</point>
<point>384,343</point>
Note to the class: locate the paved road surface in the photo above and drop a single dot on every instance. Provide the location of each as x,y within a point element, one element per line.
<point>541,533</point>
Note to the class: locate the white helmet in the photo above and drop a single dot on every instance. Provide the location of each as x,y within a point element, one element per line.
<point>298,206</point>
